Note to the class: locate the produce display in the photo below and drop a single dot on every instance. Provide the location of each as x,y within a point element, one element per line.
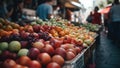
<point>41,44</point>
<point>91,27</point>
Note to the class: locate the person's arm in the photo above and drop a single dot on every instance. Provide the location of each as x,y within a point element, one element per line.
<point>50,12</point>
<point>9,13</point>
<point>50,16</point>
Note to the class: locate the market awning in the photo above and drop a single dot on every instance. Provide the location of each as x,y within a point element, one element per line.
<point>76,4</point>
<point>105,10</point>
<point>69,5</point>
<point>73,4</point>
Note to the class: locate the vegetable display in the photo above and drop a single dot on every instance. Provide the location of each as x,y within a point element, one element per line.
<point>41,44</point>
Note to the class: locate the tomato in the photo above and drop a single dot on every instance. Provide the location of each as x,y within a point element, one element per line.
<point>70,55</point>
<point>61,51</point>
<point>9,63</point>
<point>72,50</point>
<point>53,65</point>
<point>24,60</point>
<point>49,49</point>
<point>58,59</point>
<point>44,58</point>
<point>18,66</point>
<point>34,64</point>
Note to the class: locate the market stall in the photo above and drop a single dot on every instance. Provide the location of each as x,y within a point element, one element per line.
<point>45,43</point>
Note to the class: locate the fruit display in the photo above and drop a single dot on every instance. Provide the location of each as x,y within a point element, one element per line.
<point>41,44</point>
<point>91,27</point>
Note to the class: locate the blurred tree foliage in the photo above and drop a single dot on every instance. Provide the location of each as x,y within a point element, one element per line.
<point>102,4</point>
<point>109,1</point>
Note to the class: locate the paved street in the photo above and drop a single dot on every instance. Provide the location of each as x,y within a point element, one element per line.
<point>107,54</point>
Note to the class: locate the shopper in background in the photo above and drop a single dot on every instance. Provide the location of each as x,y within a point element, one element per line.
<point>115,20</point>
<point>96,16</point>
<point>40,1</point>
<point>45,10</point>
<point>16,10</point>
<point>28,3</point>
<point>68,14</point>
<point>106,21</point>
<point>3,10</point>
<point>90,17</point>
<point>34,4</point>
<point>61,11</point>
<point>10,5</point>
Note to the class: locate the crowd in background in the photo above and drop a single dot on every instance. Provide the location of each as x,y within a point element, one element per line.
<point>111,21</point>
<point>12,9</point>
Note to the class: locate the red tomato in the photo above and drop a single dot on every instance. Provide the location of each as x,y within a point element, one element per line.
<point>34,64</point>
<point>72,50</point>
<point>44,58</point>
<point>9,63</point>
<point>78,49</point>
<point>58,59</point>
<point>49,49</point>
<point>70,55</point>
<point>24,60</point>
<point>53,65</point>
<point>18,66</point>
<point>60,51</point>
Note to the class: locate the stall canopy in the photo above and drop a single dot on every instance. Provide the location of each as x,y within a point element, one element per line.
<point>73,4</point>
<point>105,10</point>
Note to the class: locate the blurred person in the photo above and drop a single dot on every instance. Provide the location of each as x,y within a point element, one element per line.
<point>40,1</point>
<point>34,4</point>
<point>68,14</point>
<point>15,11</point>
<point>31,4</point>
<point>90,17</point>
<point>115,21</point>
<point>28,3</point>
<point>45,10</point>
<point>9,7</point>
<point>106,21</point>
<point>61,11</point>
<point>96,16</point>
<point>3,10</point>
